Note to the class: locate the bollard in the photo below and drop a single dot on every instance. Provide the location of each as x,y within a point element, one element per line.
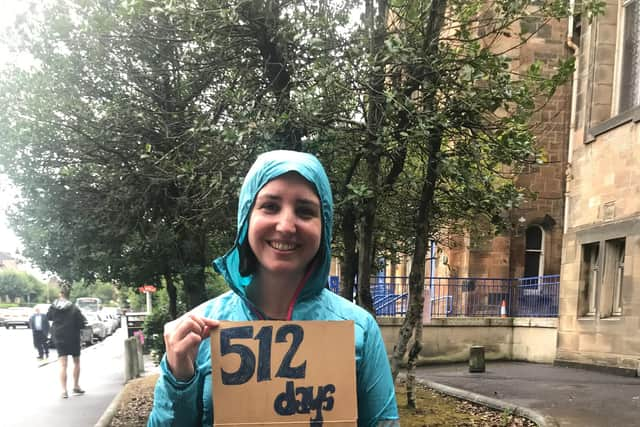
<point>131,361</point>
<point>476,358</point>
<point>139,357</point>
<point>128,369</point>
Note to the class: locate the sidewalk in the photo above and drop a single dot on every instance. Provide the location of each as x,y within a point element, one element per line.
<point>549,395</point>
<point>150,368</point>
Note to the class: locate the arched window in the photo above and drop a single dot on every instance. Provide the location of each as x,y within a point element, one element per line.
<point>534,251</point>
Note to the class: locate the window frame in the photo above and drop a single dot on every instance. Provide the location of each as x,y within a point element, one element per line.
<point>619,70</point>
<point>540,251</point>
<point>602,271</point>
<point>613,277</point>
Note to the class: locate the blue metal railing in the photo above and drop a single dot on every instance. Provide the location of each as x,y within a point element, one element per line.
<point>469,296</point>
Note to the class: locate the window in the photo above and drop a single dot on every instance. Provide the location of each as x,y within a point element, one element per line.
<point>630,78</point>
<point>534,252</point>
<point>602,276</point>
<point>610,301</point>
<point>590,266</point>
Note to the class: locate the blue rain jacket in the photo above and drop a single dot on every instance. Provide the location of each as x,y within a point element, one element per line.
<point>178,403</point>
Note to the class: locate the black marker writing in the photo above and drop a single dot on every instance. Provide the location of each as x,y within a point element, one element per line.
<point>302,401</point>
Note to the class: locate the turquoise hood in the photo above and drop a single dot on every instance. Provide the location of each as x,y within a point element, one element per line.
<point>267,167</point>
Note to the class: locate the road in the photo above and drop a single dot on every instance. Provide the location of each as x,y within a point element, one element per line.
<point>30,394</point>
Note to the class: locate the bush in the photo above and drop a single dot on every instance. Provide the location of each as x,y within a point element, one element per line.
<point>153,331</point>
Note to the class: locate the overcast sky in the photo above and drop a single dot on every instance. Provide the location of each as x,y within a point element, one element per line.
<point>8,240</point>
<point>8,194</point>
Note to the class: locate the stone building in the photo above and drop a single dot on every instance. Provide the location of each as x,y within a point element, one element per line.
<point>533,246</point>
<point>600,277</point>
<point>7,261</point>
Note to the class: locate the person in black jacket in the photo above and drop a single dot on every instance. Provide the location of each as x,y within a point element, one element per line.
<point>68,321</point>
<point>39,325</point>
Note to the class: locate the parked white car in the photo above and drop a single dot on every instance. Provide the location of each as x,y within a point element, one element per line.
<point>115,321</point>
<point>108,322</point>
<point>115,313</point>
<point>17,316</point>
<point>97,325</point>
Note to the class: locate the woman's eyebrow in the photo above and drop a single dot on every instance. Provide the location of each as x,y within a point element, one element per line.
<point>268,196</point>
<point>309,202</point>
<point>302,201</point>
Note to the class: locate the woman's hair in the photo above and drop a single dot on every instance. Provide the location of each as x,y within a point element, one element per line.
<point>248,261</point>
<point>65,290</point>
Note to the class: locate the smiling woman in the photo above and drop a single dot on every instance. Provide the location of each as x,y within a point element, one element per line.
<point>277,269</point>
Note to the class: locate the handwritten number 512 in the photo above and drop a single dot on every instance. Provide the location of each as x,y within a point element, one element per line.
<point>248,360</point>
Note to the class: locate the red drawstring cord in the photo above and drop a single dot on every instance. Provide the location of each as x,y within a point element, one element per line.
<point>298,290</point>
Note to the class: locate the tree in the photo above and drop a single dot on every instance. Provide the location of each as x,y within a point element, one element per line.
<point>16,285</point>
<point>130,136</point>
<point>471,122</point>
<point>114,144</point>
<point>105,291</point>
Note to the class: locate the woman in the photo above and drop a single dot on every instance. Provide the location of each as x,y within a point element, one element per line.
<point>277,270</point>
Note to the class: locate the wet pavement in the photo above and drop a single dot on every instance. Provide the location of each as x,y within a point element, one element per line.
<point>550,395</point>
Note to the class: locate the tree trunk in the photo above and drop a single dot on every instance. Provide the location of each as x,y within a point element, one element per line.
<point>173,296</point>
<point>263,19</point>
<point>412,325</point>
<point>376,22</point>
<point>193,282</point>
<point>365,255</point>
<point>349,262</point>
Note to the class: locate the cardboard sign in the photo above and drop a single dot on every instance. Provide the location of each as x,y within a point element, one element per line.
<point>269,373</point>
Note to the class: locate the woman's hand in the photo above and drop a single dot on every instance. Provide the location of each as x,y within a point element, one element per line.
<point>182,338</point>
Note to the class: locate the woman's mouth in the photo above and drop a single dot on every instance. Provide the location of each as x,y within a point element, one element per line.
<point>282,246</point>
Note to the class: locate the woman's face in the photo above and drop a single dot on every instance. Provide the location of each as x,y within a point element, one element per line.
<point>285,225</point>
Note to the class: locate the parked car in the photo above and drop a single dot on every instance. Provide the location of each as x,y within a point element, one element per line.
<point>110,321</point>
<point>96,324</point>
<point>2,316</point>
<point>107,322</point>
<point>17,316</point>
<point>116,312</point>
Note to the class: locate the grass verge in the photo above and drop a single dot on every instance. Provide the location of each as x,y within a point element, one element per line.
<point>434,409</point>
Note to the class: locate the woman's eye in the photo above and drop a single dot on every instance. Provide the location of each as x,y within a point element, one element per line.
<point>269,207</point>
<point>307,213</point>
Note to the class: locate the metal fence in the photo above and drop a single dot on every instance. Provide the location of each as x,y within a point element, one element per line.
<point>468,296</point>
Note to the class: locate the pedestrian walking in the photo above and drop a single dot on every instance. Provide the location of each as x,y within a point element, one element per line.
<point>68,322</point>
<point>39,324</point>
<point>277,270</point>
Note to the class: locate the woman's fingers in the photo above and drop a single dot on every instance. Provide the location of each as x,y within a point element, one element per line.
<point>183,337</point>
<point>189,324</point>
<point>211,323</point>
<point>208,325</point>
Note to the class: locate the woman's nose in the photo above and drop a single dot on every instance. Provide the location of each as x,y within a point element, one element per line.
<point>286,222</point>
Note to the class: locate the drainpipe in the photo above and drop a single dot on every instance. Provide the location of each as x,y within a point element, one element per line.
<point>572,122</point>
<point>433,266</point>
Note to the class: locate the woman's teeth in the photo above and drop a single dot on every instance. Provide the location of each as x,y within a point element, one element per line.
<point>281,246</point>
